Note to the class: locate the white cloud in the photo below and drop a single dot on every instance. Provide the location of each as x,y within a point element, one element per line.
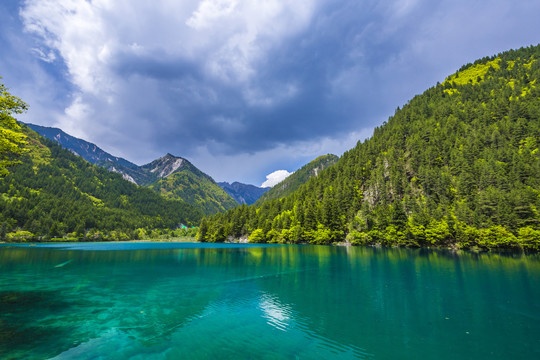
<point>210,11</point>
<point>77,31</point>
<point>275,178</point>
<point>229,37</point>
<point>77,110</point>
<point>48,57</point>
<point>244,31</point>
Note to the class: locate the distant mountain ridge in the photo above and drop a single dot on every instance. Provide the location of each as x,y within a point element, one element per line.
<point>243,193</point>
<point>94,154</point>
<point>88,151</point>
<point>171,176</point>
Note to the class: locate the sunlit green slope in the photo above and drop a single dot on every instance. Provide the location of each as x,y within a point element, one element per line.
<point>194,187</point>
<point>457,166</point>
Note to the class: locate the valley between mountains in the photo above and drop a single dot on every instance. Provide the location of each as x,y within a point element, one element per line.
<point>457,166</point>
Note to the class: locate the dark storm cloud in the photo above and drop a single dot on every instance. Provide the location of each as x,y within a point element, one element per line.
<point>158,65</point>
<point>310,62</point>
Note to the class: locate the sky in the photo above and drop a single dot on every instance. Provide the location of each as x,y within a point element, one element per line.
<point>241,88</point>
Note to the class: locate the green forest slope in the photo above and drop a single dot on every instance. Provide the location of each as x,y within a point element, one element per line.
<point>298,178</point>
<point>457,166</point>
<point>194,187</point>
<point>52,193</point>
<point>186,182</point>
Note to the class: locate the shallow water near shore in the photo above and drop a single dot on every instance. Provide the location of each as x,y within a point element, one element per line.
<point>238,301</point>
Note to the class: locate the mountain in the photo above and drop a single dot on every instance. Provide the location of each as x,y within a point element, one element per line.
<point>299,177</point>
<point>53,192</point>
<point>457,166</point>
<point>94,154</point>
<point>177,178</point>
<point>88,151</point>
<point>165,166</point>
<point>243,193</point>
<point>188,183</point>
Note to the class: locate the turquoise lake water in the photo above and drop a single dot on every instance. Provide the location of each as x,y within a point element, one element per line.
<point>205,301</point>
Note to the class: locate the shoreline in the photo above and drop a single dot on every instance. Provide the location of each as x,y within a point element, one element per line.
<point>178,240</point>
<point>454,249</point>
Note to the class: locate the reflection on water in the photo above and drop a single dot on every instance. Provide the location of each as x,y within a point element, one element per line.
<point>277,314</point>
<point>200,301</point>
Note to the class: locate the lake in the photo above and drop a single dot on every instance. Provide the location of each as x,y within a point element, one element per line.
<point>208,301</point>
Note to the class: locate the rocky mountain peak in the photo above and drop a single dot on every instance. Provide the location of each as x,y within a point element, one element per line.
<point>165,165</point>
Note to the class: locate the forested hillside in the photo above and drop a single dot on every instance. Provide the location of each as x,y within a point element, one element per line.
<point>299,177</point>
<point>52,193</point>
<point>457,166</point>
<point>173,177</point>
<point>191,185</point>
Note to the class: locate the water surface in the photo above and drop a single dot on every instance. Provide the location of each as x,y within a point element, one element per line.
<point>207,301</point>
